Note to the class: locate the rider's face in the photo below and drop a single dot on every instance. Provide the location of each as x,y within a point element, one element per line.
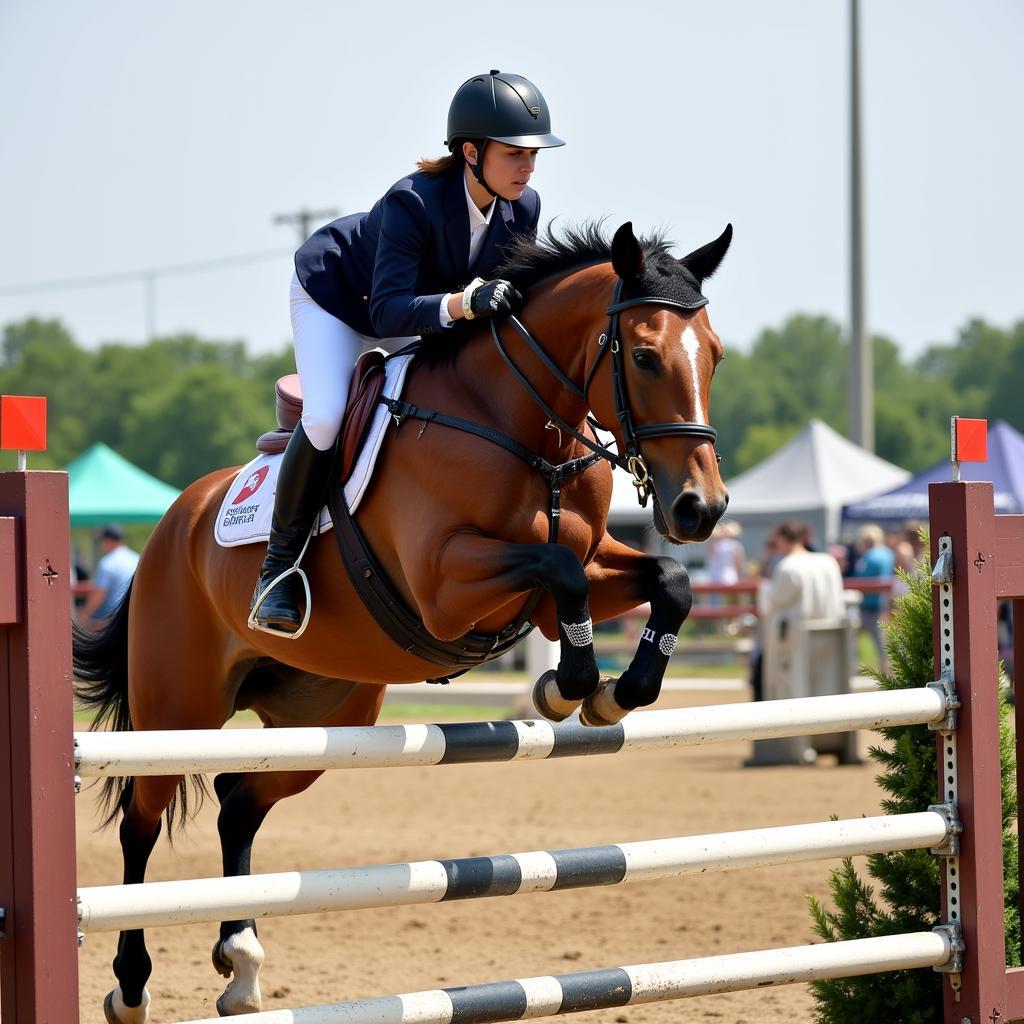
<point>508,169</point>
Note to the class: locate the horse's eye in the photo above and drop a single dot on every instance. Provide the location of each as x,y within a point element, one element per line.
<point>645,359</point>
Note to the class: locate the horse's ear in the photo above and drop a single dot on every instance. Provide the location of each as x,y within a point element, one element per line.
<point>627,256</point>
<point>703,262</point>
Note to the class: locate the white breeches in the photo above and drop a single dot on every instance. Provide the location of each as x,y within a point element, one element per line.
<point>325,352</point>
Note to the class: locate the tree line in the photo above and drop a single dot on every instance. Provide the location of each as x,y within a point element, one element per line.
<point>181,406</point>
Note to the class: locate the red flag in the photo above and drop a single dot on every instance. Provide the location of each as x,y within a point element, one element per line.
<point>22,423</point>
<point>970,440</point>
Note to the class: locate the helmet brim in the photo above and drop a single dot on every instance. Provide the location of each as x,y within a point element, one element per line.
<point>548,141</point>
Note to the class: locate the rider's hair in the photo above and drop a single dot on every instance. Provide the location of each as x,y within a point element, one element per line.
<point>443,164</point>
<point>439,165</point>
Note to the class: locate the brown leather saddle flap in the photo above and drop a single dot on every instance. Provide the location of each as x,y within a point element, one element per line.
<point>364,389</point>
<point>363,392</point>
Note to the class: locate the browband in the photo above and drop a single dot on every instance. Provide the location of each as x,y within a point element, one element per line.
<point>646,300</point>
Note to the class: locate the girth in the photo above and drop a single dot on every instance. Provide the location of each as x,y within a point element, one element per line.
<point>395,617</point>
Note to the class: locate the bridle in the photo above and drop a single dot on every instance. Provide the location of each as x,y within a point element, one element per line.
<point>631,458</point>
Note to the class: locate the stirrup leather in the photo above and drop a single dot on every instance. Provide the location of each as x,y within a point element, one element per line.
<point>253,622</point>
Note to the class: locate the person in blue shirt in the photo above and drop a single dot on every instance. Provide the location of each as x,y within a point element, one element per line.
<point>876,559</point>
<point>114,572</point>
<point>420,260</point>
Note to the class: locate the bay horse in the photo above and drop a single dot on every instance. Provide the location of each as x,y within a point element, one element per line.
<point>460,523</point>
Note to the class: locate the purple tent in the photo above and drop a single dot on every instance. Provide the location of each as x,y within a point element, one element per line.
<point>1005,469</point>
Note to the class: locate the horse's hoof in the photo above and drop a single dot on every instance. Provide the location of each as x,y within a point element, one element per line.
<point>550,704</point>
<point>239,957</point>
<point>600,708</point>
<point>116,1012</point>
<point>220,965</point>
<point>228,1006</point>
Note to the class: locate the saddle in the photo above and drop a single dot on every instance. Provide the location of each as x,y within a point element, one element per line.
<point>363,392</point>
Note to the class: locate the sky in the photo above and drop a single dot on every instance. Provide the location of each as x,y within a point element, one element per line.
<point>149,135</point>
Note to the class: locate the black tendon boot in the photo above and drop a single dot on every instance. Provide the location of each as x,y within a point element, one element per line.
<point>301,489</point>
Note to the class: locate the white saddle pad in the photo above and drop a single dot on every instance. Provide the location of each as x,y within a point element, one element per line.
<point>248,506</point>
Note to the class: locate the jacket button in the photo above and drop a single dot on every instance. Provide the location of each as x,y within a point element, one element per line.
<point>366,298</point>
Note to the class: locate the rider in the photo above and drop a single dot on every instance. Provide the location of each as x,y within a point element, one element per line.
<point>400,270</point>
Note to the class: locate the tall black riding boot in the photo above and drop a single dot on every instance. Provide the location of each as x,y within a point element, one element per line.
<point>301,490</point>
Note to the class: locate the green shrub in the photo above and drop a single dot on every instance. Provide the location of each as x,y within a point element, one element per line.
<point>907,883</point>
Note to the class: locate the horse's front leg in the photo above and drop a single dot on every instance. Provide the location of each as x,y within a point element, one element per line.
<point>620,579</point>
<point>478,576</point>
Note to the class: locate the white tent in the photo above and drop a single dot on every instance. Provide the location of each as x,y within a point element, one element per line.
<point>811,478</point>
<point>625,509</point>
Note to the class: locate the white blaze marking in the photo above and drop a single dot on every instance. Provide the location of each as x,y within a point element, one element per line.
<point>691,344</point>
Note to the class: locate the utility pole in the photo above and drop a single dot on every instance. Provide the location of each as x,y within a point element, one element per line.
<point>149,284</point>
<point>861,400</point>
<point>304,220</point>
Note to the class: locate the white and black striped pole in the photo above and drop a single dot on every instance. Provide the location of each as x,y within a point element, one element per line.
<point>527,998</point>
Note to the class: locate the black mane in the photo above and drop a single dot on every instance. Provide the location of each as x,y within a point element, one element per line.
<point>528,260</point>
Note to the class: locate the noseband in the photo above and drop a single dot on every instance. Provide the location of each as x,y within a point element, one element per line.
<point>631,458</point>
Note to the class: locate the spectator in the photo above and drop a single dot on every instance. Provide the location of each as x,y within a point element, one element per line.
<point>875,560</point>
<point>114,573</point>
<point>727,559</point>
<point>912,536</point>
<point>809,581</point>
<point>770,555</point>
<point>79,574</point>
<point>807,537</point>
<point>841,553</point>
<point>804,585</point>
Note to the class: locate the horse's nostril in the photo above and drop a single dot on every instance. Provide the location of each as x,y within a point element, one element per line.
<point>689,511</point>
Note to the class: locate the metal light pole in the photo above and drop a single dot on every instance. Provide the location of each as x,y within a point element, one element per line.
<point>149,284</point>
<point>861,401</point>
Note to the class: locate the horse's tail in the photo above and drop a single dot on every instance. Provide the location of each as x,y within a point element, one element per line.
<point>101,686</point>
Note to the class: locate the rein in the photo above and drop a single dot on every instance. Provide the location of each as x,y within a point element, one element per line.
<point>631,459</point>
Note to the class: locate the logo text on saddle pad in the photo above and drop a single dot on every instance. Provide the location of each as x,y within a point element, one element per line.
<point>252,484</point>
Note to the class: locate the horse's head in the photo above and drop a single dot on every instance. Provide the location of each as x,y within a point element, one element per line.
<point>669,357</point>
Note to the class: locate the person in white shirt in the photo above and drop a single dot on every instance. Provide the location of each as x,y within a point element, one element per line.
<point>804,585</point>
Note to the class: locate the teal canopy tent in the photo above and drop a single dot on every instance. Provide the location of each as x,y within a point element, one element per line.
<point>107,488</point>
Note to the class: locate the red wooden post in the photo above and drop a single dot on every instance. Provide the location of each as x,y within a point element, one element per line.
<point>965,513</point>
<point>39,954</point>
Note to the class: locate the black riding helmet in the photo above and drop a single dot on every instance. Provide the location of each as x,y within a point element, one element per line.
<point>499,107</point>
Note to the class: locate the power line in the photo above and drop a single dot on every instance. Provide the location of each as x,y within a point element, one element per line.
<point>128,276</point>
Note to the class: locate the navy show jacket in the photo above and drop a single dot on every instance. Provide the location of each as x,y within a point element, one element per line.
<point>385,272</point>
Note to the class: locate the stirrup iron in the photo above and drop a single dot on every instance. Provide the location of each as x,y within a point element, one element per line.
<point>253,623</point>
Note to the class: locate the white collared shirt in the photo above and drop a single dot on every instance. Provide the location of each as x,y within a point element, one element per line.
<point>479,222</point>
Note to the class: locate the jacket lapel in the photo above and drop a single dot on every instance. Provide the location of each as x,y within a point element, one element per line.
<point>457,226</point>
<point>498,233</point>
